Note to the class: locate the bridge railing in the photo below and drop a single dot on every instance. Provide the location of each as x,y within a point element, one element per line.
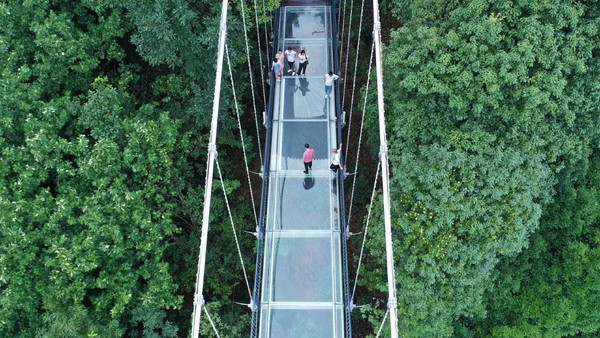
<point>256,294</point>
<point>345,231</point>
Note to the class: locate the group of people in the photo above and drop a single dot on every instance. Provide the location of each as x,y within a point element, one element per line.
<point>309,156</point>
<point>291,56</point>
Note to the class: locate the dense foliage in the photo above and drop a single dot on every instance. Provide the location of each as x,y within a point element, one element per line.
<point>104,114</point>
<point>494,134</point>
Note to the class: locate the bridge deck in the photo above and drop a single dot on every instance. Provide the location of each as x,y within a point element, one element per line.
<point>301,292</point>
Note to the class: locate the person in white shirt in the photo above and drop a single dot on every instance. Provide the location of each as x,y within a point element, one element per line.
<point>302,62</point>
<point>329,78</point>
<point>335,159</point>
<point>290,54</point>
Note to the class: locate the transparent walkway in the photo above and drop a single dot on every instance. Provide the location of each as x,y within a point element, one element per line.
<point>301,291</point>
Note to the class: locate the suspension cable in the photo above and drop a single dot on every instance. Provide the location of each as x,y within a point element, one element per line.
<point>338,13</point>
<point>251,79</point>
<point>382,323</point>
<point>237,242</point>
<point>212,152</point>
<point>262,75</point>
<point>362,247</point>
<point>362,7</point>
<point>362,123</point>
<point>347,51</point>
<point>237,112</point>
<point>211,322</point>
<point>266,36</point>
<point>343,27</point>
<point>385,177</point>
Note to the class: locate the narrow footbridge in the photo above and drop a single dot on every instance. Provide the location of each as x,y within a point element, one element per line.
<point>301,281</point>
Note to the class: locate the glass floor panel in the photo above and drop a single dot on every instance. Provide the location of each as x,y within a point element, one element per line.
<point>301,323</point>
<point>318,52</point>
<point>302,269</point>
<point>304,98</point>
<point>293,137</point>
<point>300,203</point>
<point>307,22</point>
<point>302,283</point>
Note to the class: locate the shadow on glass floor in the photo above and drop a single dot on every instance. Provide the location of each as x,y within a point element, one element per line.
<point>304,98</point>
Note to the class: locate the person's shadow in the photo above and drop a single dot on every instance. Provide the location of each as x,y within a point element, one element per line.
<point>308,182</point>
<point>303,85</point>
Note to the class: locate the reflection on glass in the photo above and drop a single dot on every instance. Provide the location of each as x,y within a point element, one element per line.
<point>301,207</point>
<point>308,182</point>
<point>305,22</point>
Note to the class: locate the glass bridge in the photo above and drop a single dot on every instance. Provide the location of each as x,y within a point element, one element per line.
<point>300,287</point>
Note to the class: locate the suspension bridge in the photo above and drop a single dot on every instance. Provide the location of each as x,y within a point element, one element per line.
<point>302,286</point>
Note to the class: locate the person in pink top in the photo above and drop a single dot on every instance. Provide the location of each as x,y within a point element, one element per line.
<point>308,157</point>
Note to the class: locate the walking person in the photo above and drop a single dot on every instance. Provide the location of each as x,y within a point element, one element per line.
<point>276,67</point>
<point>329,78</point>
<point>335,159</point>
<point>302,62</point>
<point>290,54</point>
<point>308,157</point>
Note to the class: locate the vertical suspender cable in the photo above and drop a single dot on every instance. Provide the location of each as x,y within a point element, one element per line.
<point>347,52</point>
<point>341,37</point>
<point>237,113</point>
<point>264,12</point>
<point>362,7</point>
<point>252,78</point>
<point>212,152</point>
<point>262,75</point>
<point>385,176</point>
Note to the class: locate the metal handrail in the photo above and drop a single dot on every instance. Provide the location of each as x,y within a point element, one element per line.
<point>265,186</point>
<point>344,227</point>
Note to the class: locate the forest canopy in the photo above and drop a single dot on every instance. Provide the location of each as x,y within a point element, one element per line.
<point>494,128</point>
<point>494,140</point>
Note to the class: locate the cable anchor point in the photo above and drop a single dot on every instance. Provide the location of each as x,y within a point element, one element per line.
<point>212,149</point>
<point>376,28</point>
<point>392,303</point>
<point>199,300</point>
<point>383,150</point>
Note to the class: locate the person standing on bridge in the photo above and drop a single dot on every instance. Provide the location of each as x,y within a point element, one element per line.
<point>281,57</point>
<point>335,159</point>
<point>277,69</point>
<point>308,157</point>
<point>302,62</point>
<point>329,78</point>
<point>290,54</point>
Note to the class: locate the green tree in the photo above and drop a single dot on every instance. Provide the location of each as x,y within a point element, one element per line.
<point>102,159</point>
<point>487,103</point>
